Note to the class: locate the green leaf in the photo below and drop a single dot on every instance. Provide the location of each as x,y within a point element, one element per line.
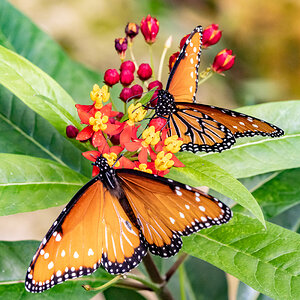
<point>280,193</point>
<point>267,260</point>
<point>289,219</point>
<point>118,293</point>
<point>252,156</point>
<point>199,172</point>
<point>25,132</point>
<point>15,258</point>
<point>29,183</point>
<point>199,283</point>
<point>19,34</point>
<point>28,83</point>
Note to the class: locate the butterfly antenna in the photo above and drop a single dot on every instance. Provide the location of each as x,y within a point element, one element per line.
<point>117,160</point>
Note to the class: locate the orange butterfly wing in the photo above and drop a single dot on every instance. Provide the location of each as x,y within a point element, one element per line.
<point>93,229</point>
<point>213,129</point>
<point>166,209</point>
<point>183,79</point>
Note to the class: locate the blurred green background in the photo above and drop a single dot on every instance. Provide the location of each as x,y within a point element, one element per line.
<point>265,36</point>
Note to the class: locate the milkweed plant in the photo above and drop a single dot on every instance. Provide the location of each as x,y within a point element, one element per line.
<point>57,116</point>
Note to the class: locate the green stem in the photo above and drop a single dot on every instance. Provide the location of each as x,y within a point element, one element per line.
<point>163,55</point>
<point>101,287</point>
<point>145,282</point>
<point>108,140</point>
<point>181,282</point>
<point>205,75</point>
<point>131,54</point>
<point>151,60</point>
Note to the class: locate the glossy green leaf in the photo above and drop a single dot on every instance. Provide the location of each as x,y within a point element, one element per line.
<point>280,193</point>
<point>267,260</point>
<point>20,35</point>
<point>25,132</point>
<point>15,258</point>
<point>28,183</point>
<point>29,83</point>
<point>199,172</point>
<point>252,156</point>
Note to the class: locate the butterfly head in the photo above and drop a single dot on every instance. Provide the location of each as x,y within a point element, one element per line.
<point>165,104</point>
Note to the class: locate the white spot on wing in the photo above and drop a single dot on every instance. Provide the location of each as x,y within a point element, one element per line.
<point>76,255</point>
<point>90,252</point>
<point>172,220</point>
<point>50,265</point>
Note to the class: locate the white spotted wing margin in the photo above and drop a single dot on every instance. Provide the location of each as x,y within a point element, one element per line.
<point>166,210</point>
<point>91,231</point>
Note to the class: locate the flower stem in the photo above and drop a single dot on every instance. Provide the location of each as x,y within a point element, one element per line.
<point>176,265</point>
<point>163,55</point>
<point>205,75</point>
<point>108,140</point>
<point>163,293</point>
<point>181,282</point>
<point>131,54</point>
<point>103,286</point>
<point>152,286</point>
<point>151,60</point>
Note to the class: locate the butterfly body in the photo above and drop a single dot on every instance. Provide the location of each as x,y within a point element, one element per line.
<point>202,127</point>
<point>114,219</point>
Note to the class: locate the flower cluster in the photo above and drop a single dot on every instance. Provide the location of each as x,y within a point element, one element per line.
<point>125,138</point>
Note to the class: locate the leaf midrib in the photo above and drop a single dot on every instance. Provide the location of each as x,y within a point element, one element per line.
<point>28,137</point>
<point>39,183</point>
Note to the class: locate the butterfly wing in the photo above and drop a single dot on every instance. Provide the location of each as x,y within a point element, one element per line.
<point>213,129</point>
<point>183,79</point>
<point>93,229</point>
<point>166,209</point>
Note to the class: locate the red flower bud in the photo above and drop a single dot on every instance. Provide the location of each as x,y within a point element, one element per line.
<point>128,65</point>
<point>172,60</point>
<point>125,94</point>
<point>144,71</point>
<point>126,77</point>
<point>149,28</point>
<point>158,123</point>
<point>223,61</point>
<point>71,131</point>
<point>183,40</point>
<point>121,47</point>
<point>211,35</point>
<point>137,91</point>
<point>111,77</point>
<point>152,85</point>
<point>131,30</point>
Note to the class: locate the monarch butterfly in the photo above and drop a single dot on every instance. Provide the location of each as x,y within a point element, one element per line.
<point>202,127</point>
<point>114,219</point>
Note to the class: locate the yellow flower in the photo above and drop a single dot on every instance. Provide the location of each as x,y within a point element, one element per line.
<point>99,95</point>
<point>172,144</point>
<point>136,113</point>
<point>98,122</point>
<point>150,136</point>
<point>111,159</point>
<point>163,161</point>
<point>143,167</point>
